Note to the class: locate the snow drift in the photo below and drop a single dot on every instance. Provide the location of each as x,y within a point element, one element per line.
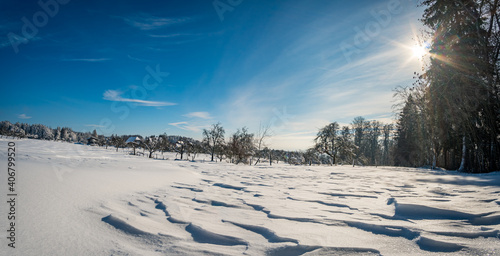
<point>82,200</point>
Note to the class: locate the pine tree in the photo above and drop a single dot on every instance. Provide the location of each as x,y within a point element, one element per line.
<point>463,81</point>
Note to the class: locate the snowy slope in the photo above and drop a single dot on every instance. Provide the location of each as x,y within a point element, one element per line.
<point>81,200</point>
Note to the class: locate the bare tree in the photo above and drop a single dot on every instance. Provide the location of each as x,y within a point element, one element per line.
<point>240,146</point>
<point>259,140</point>
<point>222,151</point>
<point>214,138</point>
<point>181,146</point>
<point>194,148</point>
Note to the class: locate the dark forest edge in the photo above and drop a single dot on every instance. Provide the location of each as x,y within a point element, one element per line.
<point>452,113</point>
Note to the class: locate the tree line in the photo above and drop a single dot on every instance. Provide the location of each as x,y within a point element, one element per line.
<point>364,143</point>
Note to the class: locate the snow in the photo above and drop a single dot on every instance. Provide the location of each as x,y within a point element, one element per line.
<point>132,139</point>
<point>84,200</point>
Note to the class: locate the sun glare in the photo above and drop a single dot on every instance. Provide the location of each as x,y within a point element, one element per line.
<point>420,50</point>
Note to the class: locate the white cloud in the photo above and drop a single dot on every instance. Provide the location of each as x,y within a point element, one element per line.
<point>187,127</point>
<point>23,116</point>
<point>89,59</point>
<point>173,35</point>
<point>149,22</point>
<point>203,115</point>
<point>113,95</point>
<point>138,59</point>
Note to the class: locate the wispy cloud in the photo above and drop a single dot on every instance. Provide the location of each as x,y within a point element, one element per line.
<point>139,59</point>
<point>5,29</point>
<point>113,95</point>
<point>8,43</point>
<point>149,22</point>
<point>5,43</point>
<point>95,125</point>
<point>188,127</point>
<point>88,59</point>
<point>203,115</point>
<point>23,116</point>
<point>172,35</point>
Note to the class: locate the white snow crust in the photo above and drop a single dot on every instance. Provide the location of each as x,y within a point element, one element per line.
<point>84,200</point>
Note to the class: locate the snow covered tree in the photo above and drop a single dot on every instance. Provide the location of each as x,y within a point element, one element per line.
<point>165,144</point>
<point>194,148</point>
<point>346,145</point>
<point>359,124</point>
<point>57,133</point>
<point>327,141</point>
<point>118,142</point>
<point>311,156</point>
<point>46,133</point>
<point>181,146</point>
<point>65,134</point>
<point>151,144</point>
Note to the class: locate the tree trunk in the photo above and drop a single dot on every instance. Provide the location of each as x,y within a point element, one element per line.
<point>464,149</point>
<point>493,164</point>
<point>258,160</point>
<point>434,160</point>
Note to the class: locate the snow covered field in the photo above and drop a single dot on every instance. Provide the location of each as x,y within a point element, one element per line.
<point>81,200</point>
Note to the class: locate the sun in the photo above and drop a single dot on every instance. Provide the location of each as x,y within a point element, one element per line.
<point>420,50</point>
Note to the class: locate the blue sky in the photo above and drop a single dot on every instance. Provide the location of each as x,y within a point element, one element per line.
<point>149,67</point>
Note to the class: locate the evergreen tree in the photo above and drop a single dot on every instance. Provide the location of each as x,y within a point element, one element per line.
<point>463,79</point>
<point>359,124</point>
